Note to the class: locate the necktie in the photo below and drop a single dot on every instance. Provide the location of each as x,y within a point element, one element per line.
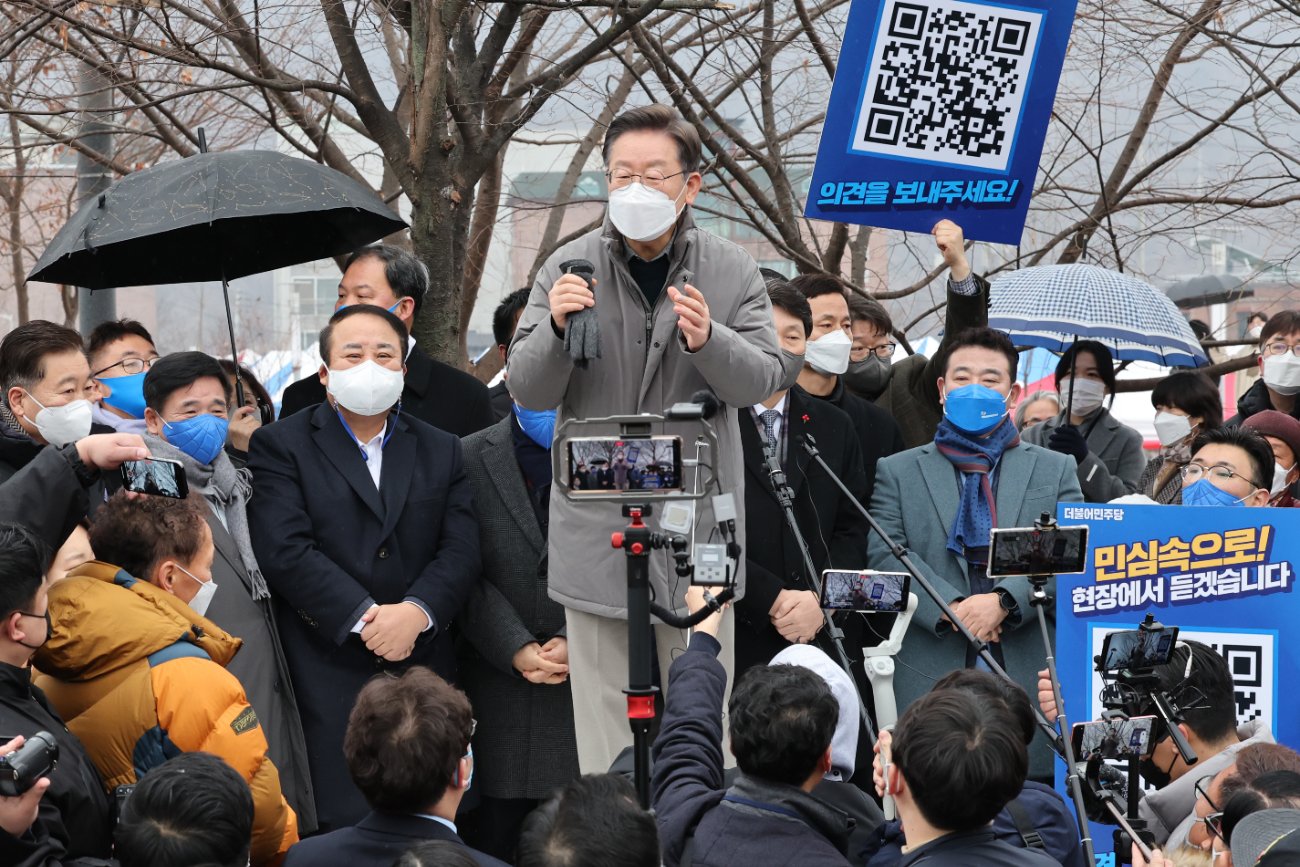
<point>770,417</point>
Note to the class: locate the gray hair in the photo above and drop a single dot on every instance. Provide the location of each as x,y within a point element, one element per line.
<point>1041,394</point>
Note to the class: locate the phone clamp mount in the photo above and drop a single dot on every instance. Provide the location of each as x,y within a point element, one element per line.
<point>1135,691</point>
<point>637,541</point>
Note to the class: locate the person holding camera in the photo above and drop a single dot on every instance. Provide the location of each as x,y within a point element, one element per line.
<point>71,819</point>
<point>782,721</point>
<point>675,311</point>
<point>1198,677</point>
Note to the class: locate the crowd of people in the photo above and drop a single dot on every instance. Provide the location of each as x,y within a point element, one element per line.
<point>372,631</point>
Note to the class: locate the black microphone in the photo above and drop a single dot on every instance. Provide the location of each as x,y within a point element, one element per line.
<point>703,405</point>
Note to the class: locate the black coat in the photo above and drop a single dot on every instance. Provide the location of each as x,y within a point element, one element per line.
<point>978,848</point>
<point>328,541</point>
<point>378,840</point>
<point>74,815</point>
<point>524,746</point>
<point>501,400</point>
<point>1256,399</point>
<point>750,823</point>
<point>49,495</point>
<point>17,450</point>
<point>836,533</point>
<point>435,393</point>
<point>878,433</point>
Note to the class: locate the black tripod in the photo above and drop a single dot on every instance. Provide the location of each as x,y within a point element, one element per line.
<point>637,541</point>
<point>785,497</point>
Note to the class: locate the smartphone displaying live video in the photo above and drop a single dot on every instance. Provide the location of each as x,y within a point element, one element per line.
<point>865,591</point>
<point>156,476</point>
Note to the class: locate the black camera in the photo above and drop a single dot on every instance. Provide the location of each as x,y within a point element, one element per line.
<point>20,770</point>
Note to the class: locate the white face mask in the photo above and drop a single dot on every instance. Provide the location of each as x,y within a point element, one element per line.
<point>202,599</point>
<point>641,213</point>
<point>1279,478</point>
<point>1088,395</point>
<point>367,389</point>
<point>1282,373</point>
<point>1171,429</point>
<point>829,353</point>
<point>61,425</point>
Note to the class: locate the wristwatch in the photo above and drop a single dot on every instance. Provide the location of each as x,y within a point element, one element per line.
<point>1008,601</point>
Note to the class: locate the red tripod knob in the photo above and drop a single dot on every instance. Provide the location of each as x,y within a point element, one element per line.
<point>616,539</point>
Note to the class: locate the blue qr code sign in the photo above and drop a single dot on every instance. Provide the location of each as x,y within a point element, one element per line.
<point>946,82</point>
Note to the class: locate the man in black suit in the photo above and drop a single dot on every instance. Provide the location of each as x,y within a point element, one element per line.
<point>505,319</point>
<point>408,751</point>
<point>363,525</point>
<point>827,357</point>
<point>779,607</point>
<point>435,393</point>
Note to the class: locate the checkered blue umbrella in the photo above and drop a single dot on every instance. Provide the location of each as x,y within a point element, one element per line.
<point>1054,305</point>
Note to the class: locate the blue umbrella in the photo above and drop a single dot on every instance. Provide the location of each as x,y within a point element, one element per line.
<point>1053,306</point>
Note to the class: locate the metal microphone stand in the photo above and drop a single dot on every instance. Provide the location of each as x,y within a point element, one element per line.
<point>785,497</point>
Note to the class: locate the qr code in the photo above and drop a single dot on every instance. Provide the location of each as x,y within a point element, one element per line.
<point>1252,660</point>
<point>946,82</point>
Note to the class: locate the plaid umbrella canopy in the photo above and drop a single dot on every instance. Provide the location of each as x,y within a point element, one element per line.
<point>1053,306</point>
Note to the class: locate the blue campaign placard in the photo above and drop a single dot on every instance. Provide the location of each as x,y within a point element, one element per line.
<point>938,110</point>
<point>1224,576</point>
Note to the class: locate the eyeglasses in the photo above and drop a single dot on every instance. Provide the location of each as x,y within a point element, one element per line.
<point>1203,789</point>
<point>1281,349</point>
<point>473,726</point>
<point>130,366</point>
<point>885,350</point>
<point>652,178</point>
<point>1193,472</point>
<point>1214,824</point>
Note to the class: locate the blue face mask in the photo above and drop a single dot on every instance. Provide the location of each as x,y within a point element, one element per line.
<point>975,408</point>
<point>201,437</point>
<point>128,393</point>
<point>1202,492</point>
<point>538,424</point>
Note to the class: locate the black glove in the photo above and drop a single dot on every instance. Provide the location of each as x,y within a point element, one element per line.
<point>1067,440</point>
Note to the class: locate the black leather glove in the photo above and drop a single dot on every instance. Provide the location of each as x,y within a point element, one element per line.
<point>1068,440</point>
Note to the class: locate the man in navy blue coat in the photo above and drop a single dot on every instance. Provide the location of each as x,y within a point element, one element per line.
<point>782,720</point>
<point>362,521</point>
<point>408,750</point>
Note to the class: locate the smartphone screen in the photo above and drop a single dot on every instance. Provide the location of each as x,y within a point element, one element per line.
<point>869,592</point>
<point>603,465</point>
<point>156,476</point>
<point>1137,649</point>
<point>1113,739</point>
<point>1031,551</point>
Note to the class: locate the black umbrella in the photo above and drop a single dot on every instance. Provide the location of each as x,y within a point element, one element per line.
<point>214,216</point>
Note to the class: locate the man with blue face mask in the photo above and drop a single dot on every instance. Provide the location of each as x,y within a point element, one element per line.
<point>515,662</point>
<point>120,354</point>
<point>187,410</point>
<point>941,500</point>
<point>1229,467</point>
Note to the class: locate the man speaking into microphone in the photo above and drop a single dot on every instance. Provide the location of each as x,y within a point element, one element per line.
<point>675,310</point>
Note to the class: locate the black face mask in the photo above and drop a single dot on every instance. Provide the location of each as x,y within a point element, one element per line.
<point>869,376</point>
<point>48,629</point>
<point>1152,773</point>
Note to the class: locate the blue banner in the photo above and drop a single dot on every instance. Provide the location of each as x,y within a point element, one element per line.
<point>939,109</point>
<point>1224,576</point>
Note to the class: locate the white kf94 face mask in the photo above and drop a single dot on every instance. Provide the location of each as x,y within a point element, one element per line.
<point>367,389</point>
<point>641,213</point>
<point>829,353</point>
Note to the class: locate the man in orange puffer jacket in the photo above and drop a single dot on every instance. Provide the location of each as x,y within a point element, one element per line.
<point>139,674</point>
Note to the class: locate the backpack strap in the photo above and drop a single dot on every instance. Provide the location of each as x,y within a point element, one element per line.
<point>1024,827</point>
